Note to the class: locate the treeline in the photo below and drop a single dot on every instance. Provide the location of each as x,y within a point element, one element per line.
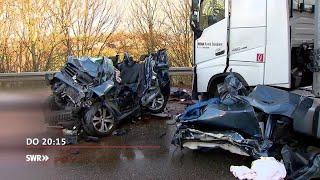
<point>38,35</point>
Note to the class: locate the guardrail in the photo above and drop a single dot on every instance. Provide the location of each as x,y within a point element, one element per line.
<point>174,71</point>
<point>181,71</point>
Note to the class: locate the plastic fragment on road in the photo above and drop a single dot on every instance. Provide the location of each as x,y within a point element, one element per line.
<point>243,172</point>
<point>161,115</point>
<point>119,132</point>
<point>71,136</point>
<point>265,168</point>
<point>179,94</point>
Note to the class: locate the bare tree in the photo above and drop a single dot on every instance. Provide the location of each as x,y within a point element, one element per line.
<point>7,63</point>
<point>179,34</point>
<point>38,35</point>
<point>35,30</point>
<point>146,19</point>
<point>61,10</point>
<point>93,24</point>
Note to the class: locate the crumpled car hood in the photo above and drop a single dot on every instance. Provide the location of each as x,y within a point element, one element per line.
<point>273,101</point>
<point>86,64</point>
<point>212,115</point>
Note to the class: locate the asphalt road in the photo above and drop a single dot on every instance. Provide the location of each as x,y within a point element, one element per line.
<point>143,152</point>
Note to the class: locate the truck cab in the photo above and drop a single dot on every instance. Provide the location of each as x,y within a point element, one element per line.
<point>264,42</point>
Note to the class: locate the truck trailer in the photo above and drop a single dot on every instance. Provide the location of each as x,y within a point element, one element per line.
<point>264,42</point>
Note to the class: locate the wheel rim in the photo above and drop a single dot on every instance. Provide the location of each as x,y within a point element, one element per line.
<point>157,102</point>
<point>103,120</point>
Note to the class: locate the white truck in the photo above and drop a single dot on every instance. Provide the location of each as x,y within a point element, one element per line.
<point>264,42</point>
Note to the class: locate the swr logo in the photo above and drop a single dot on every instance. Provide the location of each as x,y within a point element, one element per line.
<point>37,158</point>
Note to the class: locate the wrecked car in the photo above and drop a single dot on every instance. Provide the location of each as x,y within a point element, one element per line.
<point>256,125</point>
<point>263,123</point>
<point>96,94</point>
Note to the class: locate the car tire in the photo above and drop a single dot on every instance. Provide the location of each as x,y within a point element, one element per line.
<point>96,122</point>
<point>161,108</point>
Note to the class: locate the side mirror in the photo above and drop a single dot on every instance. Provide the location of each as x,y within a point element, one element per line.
<point>195,4</point>
<point>195,18</point>
<point>195,11</point>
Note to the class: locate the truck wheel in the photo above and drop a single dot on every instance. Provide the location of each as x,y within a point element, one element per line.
<point>98,121</point>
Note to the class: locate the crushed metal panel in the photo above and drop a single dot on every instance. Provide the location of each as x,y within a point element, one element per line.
<point>227,140</point>
<point>227,147</point>
<point>304,111</point>
<point>273,101</point>
<point>303,116</point>
<point>103,88</point>
<point>214,115</point>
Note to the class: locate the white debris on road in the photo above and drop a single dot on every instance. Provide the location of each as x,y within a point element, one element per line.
<point>243,172</point>
<point>266,168</point>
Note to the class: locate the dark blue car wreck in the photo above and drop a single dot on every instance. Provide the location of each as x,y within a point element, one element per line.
<point>258,124</point>
<point>98,93</point>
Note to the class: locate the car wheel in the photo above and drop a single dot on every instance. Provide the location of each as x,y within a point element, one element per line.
<point>98,121</point>
<point>158,104</point>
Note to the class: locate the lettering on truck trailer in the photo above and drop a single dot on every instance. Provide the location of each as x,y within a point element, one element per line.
<point>208,44</point>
